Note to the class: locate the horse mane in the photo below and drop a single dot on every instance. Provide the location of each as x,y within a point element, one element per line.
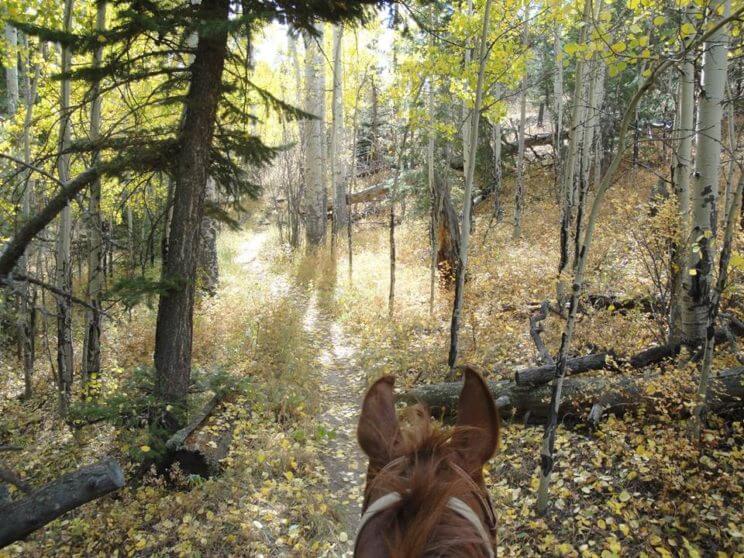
<point>422,524</point>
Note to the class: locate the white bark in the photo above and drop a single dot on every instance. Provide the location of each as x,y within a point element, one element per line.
<point>64,260</point>
<point>732,145</point>
<point>340,210</point>
<point>682,168</point>
<point>433,213</point>
<point>208,270</point>
<point>705,184</point>
<point>569,166</point>
<point>558,100</point>
<point>519,196</point>
<point>315,191</point>
<point>469,175</point>
<point>26,312</point>
<point>11,72</point>
<point>91,366</point>
<point>497,171</point>
<point>466,147</point>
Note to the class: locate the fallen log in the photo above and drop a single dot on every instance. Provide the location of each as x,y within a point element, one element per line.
<point>509,149</point>
<point>615,303</point>
<point>376,192</point>
<point>616,395</point>
<point>200,446</point>
<point>543,374</point>
<point>22,517</point>
<point>653,355</point>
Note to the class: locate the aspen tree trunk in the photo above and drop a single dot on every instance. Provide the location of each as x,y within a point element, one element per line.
<point>732,144</point>
<point>340,210</point>
<point>174,329</point>
<point>433,210</point>
<point>315,192</point>
<point>468,58</point>
<point>496,150</point>
<point>469,174</point>
<point>352,182</point>
<point>23,291</point>
<point>91,366</point>
<point>64,234</point>
<point>293,201</point>
<point>698,415</point>
<point>519,197</point>
<point>27,312</point>
<point>558,106</point>
<point>704,195</point>
<point>209,271</point>
<point>682,168</point>
<point>595,76</point>
<point>11,72</point>
<point>568,183</point>
<point>373,155</point>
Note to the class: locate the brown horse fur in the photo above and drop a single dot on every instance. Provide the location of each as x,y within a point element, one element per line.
<point>421,524</point>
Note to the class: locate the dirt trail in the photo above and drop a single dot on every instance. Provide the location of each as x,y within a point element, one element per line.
<point>341,383</point>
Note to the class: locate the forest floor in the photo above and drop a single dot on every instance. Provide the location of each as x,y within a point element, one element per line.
<point>306,339</point>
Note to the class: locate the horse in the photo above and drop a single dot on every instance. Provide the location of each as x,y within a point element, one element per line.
<point>425,494</point>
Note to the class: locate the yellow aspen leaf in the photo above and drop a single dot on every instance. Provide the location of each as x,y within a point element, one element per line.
<point>659,20</point>
<point>687,29</point>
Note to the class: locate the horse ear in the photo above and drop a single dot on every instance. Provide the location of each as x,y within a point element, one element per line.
<point>477,434</point>
<point>378,428</point>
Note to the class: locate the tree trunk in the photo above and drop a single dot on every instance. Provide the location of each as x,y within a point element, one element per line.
<point>11,71</point>
<point>91,366</point>
<point>496,144</point>
<point>340,210</point>
<point>682,167</point>
<point>66,493</point>
<point>173,336</point>
<point>558,105</point>
<point>25,311</point>
<point>519,196</point>
<point>64,234</point>
<point>315,191</point>
<point>568,183</point>
<point>447,232</point>
<point>715,304</point>
<point>704,196</point>
<point>433,198</point>
<point>462,259</point>
<point>209,271</point>
<point>352,181</point>
<point>294,199</point>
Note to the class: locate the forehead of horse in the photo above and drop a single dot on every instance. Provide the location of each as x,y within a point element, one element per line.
<point>451,527</point>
